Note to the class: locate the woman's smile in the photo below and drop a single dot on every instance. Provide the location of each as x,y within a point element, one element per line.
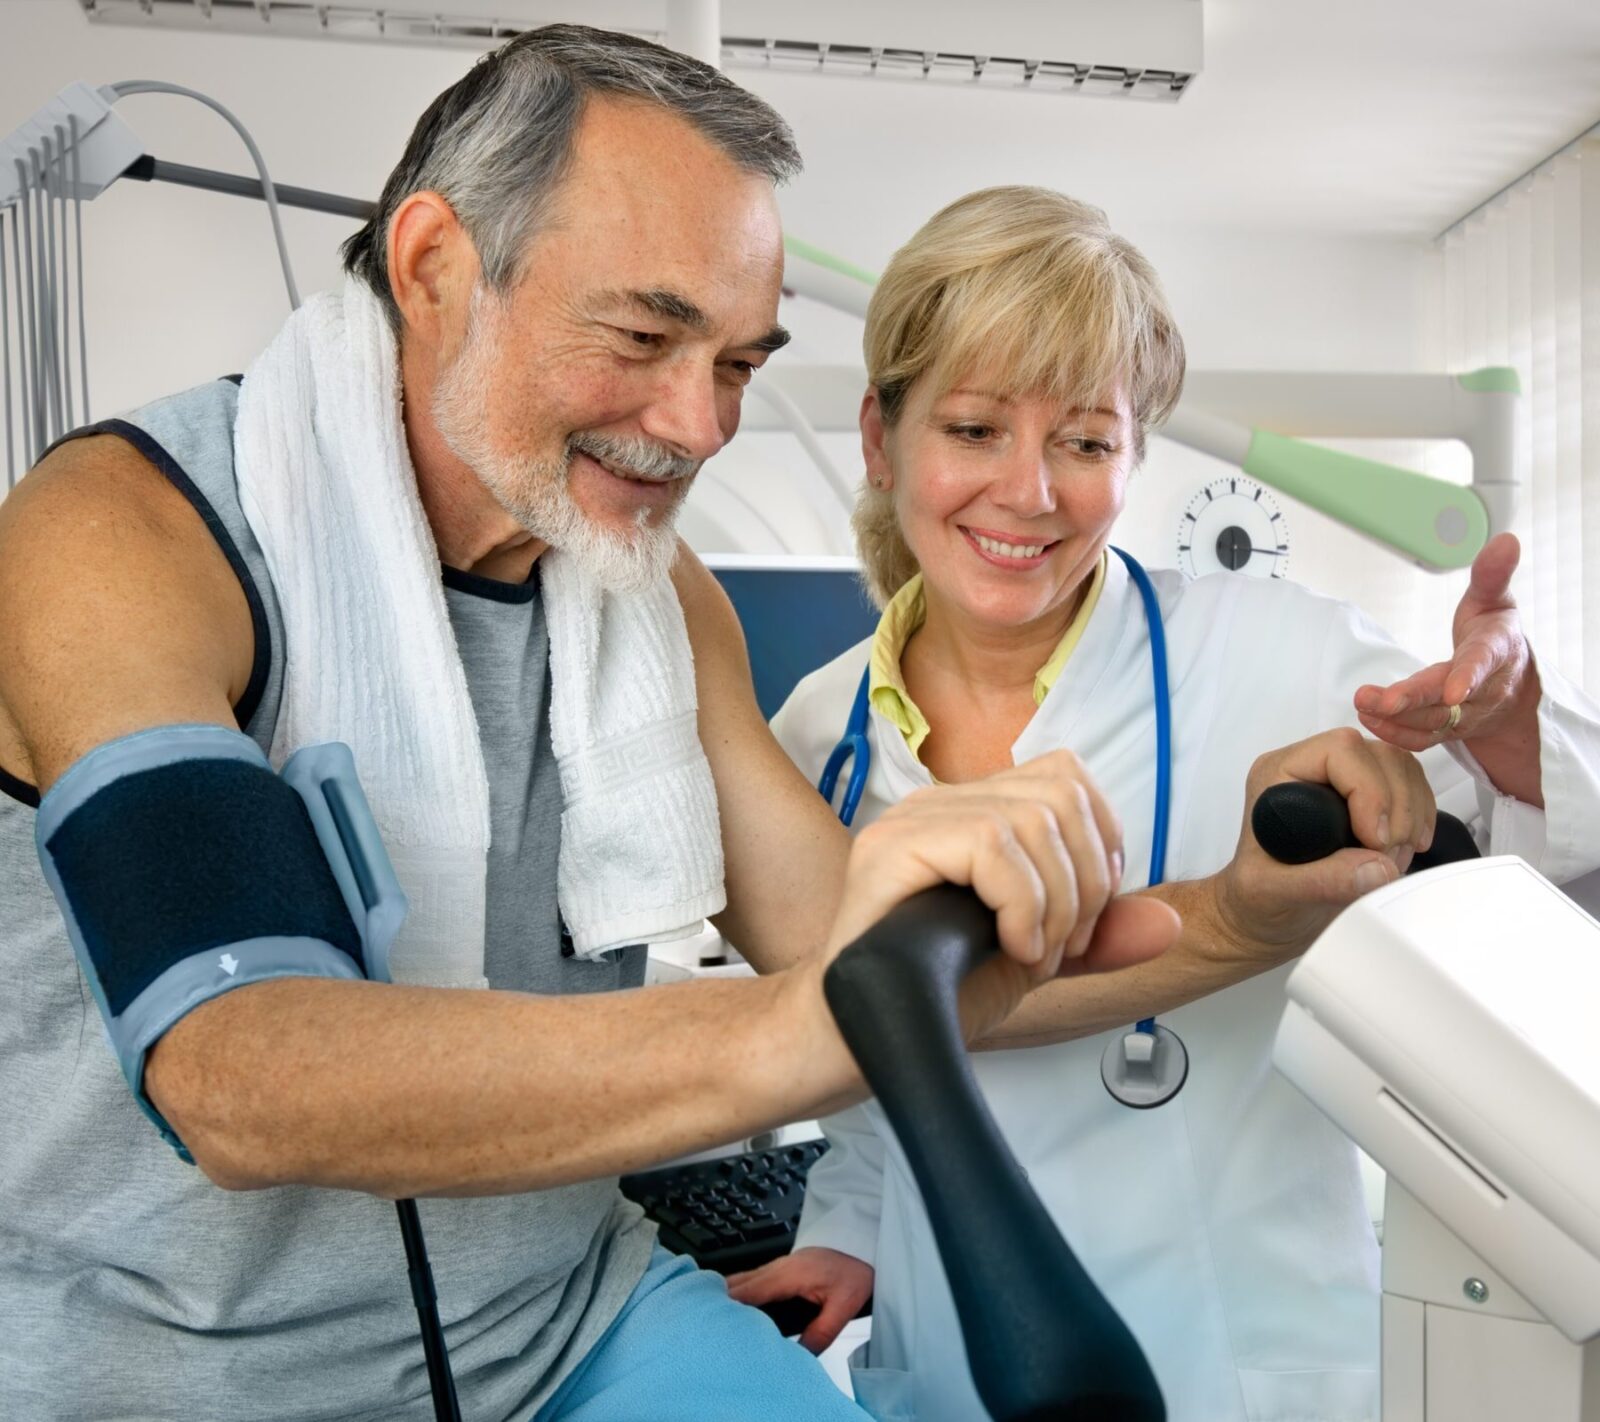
<point>1010,551</point>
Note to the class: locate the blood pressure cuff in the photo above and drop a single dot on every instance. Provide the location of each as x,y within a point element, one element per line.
<point>185,868</point>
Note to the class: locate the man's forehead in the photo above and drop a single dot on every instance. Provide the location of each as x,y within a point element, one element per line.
<point>654,217</point>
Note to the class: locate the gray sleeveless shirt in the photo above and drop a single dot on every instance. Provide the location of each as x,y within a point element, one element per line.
<point>131,1288</point>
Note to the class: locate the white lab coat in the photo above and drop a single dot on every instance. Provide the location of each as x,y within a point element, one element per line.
<point>1228,1227</point>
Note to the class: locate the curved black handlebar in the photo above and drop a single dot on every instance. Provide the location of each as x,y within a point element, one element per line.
<point>1043,1343</point>
<point>1296,822</point>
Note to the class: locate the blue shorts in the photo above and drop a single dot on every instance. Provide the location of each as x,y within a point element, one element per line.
<point>682,1351</point>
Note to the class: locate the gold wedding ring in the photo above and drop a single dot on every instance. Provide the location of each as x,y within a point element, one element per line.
<point>1455,717</point>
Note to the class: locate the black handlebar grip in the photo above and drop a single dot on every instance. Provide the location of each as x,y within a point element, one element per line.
<point>1043,1343</point>
<point>1297,822</point>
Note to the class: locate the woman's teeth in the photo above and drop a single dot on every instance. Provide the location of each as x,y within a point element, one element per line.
<point>1008,550</point>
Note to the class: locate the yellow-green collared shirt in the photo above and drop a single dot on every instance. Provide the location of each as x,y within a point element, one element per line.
<point>907,610</point>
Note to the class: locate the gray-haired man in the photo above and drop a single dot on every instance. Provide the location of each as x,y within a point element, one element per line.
<point>579,259</point>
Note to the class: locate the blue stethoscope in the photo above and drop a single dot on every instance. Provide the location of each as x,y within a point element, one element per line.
<point>1147,1066</point>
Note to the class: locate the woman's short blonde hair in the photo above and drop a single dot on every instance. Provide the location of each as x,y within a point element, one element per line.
<point>1036,292</point>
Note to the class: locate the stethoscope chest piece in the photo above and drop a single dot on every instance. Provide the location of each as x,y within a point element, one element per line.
<point>1145,1067</point>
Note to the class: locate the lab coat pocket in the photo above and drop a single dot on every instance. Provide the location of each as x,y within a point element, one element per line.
<point>885,1393</point>
<point>1327,1394</point>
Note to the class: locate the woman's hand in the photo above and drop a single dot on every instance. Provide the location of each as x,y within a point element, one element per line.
<point>1274,911</point>
<point>1486,695</point>
<point>838,1283</point>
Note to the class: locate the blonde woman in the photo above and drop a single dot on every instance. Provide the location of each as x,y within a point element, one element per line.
<point>1019,353</point>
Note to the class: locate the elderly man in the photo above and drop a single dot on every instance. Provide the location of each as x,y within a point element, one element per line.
<point>571,276</point>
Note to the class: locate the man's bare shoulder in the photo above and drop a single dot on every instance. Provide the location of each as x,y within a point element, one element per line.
<point>117,609</point>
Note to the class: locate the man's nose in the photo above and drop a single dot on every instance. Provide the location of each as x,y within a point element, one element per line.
<point>683,411</point>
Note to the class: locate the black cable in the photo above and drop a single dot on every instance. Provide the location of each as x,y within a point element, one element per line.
<point>158,170</point>
<point>440,1379</point>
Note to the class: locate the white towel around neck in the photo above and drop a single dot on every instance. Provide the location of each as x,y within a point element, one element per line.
<point>370,659</point>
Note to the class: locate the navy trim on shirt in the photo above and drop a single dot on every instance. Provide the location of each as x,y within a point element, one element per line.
<point>18,789</point>
<point>491,588</point>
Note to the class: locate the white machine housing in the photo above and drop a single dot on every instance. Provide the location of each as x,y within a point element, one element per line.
<point>1447,1024</point>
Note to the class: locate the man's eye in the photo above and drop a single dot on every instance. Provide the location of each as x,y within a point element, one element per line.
<point>645,338</point>
<point>738,372</point>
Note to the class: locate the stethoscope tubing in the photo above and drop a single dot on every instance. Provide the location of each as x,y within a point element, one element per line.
<point>855,749</point>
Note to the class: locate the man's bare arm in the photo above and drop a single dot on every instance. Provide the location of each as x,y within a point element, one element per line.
<point>118,613</point>
<point>784,848</point>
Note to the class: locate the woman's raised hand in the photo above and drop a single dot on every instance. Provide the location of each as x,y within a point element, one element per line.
<point>1486,693</point>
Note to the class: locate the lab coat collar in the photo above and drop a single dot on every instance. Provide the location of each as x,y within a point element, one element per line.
<point>1116,629</point>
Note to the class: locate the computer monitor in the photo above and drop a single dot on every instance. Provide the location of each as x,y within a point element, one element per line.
<point>798,614</point>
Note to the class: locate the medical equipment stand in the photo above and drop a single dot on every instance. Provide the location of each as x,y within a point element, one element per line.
<point>1460,1344</point>
<point>1469,1075</point>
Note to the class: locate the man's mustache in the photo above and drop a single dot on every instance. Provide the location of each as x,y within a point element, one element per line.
<point>632,456</point>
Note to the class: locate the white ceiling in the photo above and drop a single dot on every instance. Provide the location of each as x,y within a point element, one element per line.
<point>1387,118</point>
<point>1344,117</point>
<point>1339,119</point>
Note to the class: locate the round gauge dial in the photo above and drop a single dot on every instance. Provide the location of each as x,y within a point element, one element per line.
<point>1233,526</point>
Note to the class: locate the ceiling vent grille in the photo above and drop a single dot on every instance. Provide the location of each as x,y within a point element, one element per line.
<point>1098,31</point>
<point>989,71</point>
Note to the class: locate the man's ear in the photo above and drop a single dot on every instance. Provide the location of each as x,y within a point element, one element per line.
<point>433,265</point>
<point>874,435</point>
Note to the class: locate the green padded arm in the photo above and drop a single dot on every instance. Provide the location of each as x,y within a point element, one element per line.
<point>1441,525</point>
<point>827,259</point>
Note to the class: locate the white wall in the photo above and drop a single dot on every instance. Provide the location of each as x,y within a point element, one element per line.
<point>183,286</point>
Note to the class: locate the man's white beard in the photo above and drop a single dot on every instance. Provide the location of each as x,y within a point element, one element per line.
<point>537,492</point>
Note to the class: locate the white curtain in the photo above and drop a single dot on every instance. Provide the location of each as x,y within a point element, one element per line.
<point>1522,288</point>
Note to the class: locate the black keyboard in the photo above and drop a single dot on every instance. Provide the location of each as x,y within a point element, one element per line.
<point>736,1212</point>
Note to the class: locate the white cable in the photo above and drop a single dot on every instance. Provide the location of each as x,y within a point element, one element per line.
<point>66,280</point>
<point>794,417</point>
<point>26,391</point>
<point>30,373</point>
<point>5,355</point>
<point>52,289</point>
<point>77,221</point>
<point>728,487</point>
<point>37,262</point>
<point>268,191</point>
<point>47,296</point>
<point>44,366</point>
